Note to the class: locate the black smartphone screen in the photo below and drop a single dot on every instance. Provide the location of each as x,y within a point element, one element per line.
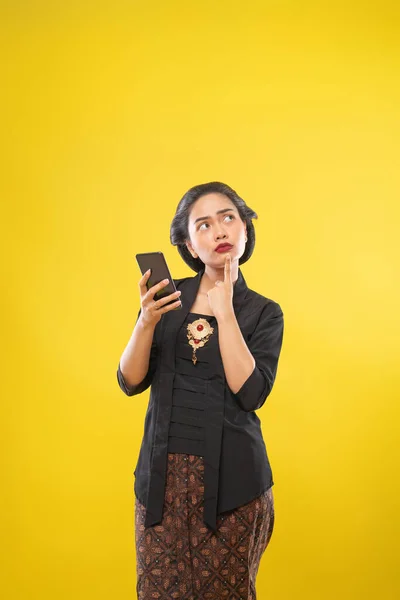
<point>155,261</point>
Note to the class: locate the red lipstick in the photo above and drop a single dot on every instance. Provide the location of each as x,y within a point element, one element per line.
<point>223,247</point>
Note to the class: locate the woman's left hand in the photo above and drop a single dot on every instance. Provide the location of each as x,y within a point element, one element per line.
<point>220,296</point>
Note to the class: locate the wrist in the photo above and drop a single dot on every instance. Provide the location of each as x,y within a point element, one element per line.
<point>228,316</point>
<point>145,325</point>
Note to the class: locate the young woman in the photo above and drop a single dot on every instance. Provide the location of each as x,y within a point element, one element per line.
<point>204,511</point>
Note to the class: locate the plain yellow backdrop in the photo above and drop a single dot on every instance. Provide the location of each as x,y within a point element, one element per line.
<point>111,111</point>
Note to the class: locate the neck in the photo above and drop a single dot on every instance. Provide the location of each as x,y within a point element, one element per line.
<point>211,275</point>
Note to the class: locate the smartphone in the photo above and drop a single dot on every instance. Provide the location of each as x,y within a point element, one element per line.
<point>155,261</point>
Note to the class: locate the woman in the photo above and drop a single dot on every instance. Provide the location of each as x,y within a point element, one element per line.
<point>204,511</point>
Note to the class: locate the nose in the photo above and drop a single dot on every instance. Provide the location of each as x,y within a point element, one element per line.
<point>220,234</point>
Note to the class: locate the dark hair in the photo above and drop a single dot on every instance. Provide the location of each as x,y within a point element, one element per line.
<point>179,231</point>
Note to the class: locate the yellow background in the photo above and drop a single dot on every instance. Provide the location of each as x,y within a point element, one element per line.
<point>111,111</point>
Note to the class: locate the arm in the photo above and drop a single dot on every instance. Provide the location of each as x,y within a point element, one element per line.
<point>250,370</point>
<point>138,361</point>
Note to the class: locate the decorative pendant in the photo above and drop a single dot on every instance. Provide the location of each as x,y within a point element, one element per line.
<point>199,332</point>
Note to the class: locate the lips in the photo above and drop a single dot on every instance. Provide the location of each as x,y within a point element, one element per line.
<point>223,248</point>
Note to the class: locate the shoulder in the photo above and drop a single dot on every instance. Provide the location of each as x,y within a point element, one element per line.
<point>264,306</point>
<point>182,281</point>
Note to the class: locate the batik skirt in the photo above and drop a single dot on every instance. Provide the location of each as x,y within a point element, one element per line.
<point>182,559</point>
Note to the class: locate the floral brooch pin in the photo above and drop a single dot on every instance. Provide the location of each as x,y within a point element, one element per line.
<point>199,332</point>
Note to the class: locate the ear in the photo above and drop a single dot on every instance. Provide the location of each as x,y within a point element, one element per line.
<point>190,248</point>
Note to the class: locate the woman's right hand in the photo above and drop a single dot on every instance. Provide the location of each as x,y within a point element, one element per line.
<point>152,310</point>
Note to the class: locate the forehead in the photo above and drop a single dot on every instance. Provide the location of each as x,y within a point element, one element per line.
<point>209,204</point>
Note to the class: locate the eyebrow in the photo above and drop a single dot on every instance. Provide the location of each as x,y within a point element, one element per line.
<point>223,210</point>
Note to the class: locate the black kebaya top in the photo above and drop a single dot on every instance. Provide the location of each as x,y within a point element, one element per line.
<point>184,395</point>
<point>189,399</point>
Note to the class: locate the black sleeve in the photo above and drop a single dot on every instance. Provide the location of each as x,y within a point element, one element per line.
<point>265,345</point>
<point>146,382</point>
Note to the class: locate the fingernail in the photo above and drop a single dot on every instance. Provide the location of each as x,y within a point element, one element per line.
<point>166,281</point>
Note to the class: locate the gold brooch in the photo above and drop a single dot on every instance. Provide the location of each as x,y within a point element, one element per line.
<point>199,332</point>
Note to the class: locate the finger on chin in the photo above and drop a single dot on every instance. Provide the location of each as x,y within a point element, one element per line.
<point>228,264</point>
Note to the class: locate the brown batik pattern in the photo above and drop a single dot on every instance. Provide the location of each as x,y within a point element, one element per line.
<point>181,558</point>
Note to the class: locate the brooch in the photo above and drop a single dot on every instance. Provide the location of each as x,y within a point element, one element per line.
<point>199,332</point>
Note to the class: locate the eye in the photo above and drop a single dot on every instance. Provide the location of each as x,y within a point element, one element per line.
<point>205,223</point>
